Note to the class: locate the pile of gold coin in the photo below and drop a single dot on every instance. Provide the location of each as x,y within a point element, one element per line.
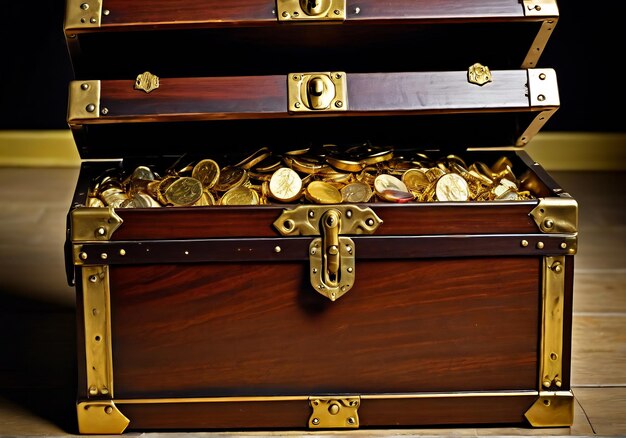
<point>326,175</point>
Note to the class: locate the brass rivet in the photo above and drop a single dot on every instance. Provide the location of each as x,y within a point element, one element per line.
<point>541,98</point>
<point>277,249</point>
<point>337,11</point>
<point>315,270</point>
<point>351,420</point>
<point>296,77</point>
<point>285,14</point>
<point>106,12</point>
<point>542,76</point>
<point>104,390</point>
<point>557,267</point>
<point>101,231</point>
<point>333,409</point>
<point>339,104</point>
<point>108,409</point>
<point>93,20</point>
<point>349,249</point>
<point>311,213</point>
<point>93,278</point>
<point>315,421</point>
<point>554,356</point>
<point>297,104</point>
<point>105,111</point>
<point>563,245</point>
<point>547,383</point>
<point>350,270</point>
<point>296,13</point>
<point>122,252</point>
<point>558,383</point>
<point>538,7</point>
<point>83,255</point>
<point>84,6</point>
<point>186,252</point>
<point>370,222</point>
<point>524,243</point>
<point>84,87</point>
<point>90,108</point>
<point>104,256</point>
<point>313,251</point>
<point>357,10</point>
<point>338,76</point>
<point>349,214</point>
<point>548,223</point>
<point>82,20</point>
<point>539,245</point>
<point>93,390</point>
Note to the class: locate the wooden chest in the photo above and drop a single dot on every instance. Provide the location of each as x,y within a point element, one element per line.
<point>309,313</point>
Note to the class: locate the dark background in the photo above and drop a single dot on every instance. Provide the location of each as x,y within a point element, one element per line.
<point>585,49</point>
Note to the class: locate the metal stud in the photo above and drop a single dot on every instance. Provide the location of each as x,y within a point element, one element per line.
<point>524,243</point>
<point>84,87</point>
<point>93,390</point>
<point>540,245</point>
<point>104,256</point>
<point>370,222</point>
<point>101,231</point>
<point>315,421</point>
<point>93,279</point>
<point>108,409</point>
<point>349,214</point>
<point>542,76</point>
<point>277,249</point>
<point>339,104</point>
<point>350,269</point>
<point>90,108</point>
<point>83,256</point>
<point>548,223</point>
<point>285,14</point>
<point>541,98</point>
<point>337,12</point>
<point>351,420</point>
<point>105,111</point>
<point>563,245</point>
<point>84,6</point>
<point>122,252</point>
<point>93,20</point>
<point>106,12</point>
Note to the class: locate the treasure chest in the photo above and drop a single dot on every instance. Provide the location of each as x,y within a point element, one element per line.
<point>316,215</point>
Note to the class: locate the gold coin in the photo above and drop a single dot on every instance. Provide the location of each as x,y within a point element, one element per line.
<point>94,202</point>
<point>434,173</point>
<point>184,191</point>
<point>415,179</point>
<point>113,197</point>
<point>254,159</point>
<point>320,192</point>
<point>456,160</point>
<point>205,200</point>
<point>240,196</point>
<point>231,177</point>
<point>356,192</point>
<point>396,196</point>
<point>207,172</point>
<point>270,164</point>
<point>388,182</point>
<point>501,164</point>
<point>452,187</point>
<point>142,172</point>
<point>285,185</point>
<point>508,195</point>
<point>306,164</point>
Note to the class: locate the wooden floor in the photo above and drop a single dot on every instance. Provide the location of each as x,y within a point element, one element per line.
<point>37,329</point>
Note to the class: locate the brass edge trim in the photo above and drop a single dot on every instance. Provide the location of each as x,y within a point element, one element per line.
<point>540,8</point>
<point>83,101</point>
<point>534,127</point>
<point>94,224</point>
<point>306,397</point>
<point>82,14</point>
<point>539,43</point>
<point>97,321</point>
<point>551,358</point>
<point>543,88</point>
<point>556,215</point>
<point>291,10</point>
<point>100,417</point>
<point>552,409</point>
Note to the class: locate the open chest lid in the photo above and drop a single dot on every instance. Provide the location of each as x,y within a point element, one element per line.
<point>113,39</point>
<point>454,110</point>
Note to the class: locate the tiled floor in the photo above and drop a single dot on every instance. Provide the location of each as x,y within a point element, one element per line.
<point>37,328</point>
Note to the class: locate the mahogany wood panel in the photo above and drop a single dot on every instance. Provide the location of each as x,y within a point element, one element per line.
<point>567,321</point>
<point>168,13</point>
<point>418,219</point>
<point>190,98</point>
<point>260,329</point>
<point>295,414</point>
<point>436,91</point>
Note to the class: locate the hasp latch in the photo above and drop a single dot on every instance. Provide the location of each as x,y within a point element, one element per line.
<point>317,92</point>
<point>334,413</point>
<point>332,255</point>
<point>311,10</point>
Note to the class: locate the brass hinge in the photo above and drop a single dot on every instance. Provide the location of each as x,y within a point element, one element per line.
<point>540,8</point>
<point>84,101</point>
<point>551,360</point>
<point>334,413</point>
<point>82,14</point>
<point>97,320</point>
<point>555,215</point>
<point>100,417</point>
<point>543,89</point>
<point>317,92</point>
<point>552,409</point>
<point>331,256</point>
<point>311,10</point>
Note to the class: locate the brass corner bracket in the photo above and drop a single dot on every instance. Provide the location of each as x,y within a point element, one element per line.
<point>94,224</point>
<point>100,417</point>
<point>84,101</point>
<point>334,413</point>
<point>552,409</point>
<point>540,8</point>
<point>311,10</point>
<point>82,14</point>
<point>555,215</point>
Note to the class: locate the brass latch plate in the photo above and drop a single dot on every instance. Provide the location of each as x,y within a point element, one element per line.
<point>317,92</point>
<point>311,10</point>
<point>334,413</point>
